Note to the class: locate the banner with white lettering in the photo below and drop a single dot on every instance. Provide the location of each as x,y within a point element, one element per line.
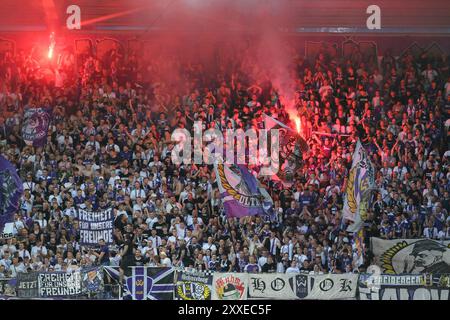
<point>59,284</point>
<point>270,286</point>
<point>193,285</point>
<point>230,286</point>
<point>325,286</point>
<point>411,256</point>
<point>404,287</point>
<point>27,285</point>
<point>95,226</point>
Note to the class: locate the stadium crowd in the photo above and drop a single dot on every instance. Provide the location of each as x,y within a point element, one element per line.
<point>109,145</point>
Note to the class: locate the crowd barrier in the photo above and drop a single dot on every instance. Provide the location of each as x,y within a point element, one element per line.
<point>142,283</point>
<point>341,48</point>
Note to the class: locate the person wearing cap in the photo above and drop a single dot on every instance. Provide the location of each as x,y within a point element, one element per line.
<point>430,257</point>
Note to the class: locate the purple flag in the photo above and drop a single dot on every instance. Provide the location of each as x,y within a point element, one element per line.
<point>11,190</point>
<point>241,193</point>
<point>35,126</point>
<point>145,283</point>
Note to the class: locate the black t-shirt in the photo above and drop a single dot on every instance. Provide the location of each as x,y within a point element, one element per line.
<point>3,132</point>
<point>51,247</point>
<point>362,100</point>
<point>390,142</point>
<point>188,261</point>
<point>224,265</point>
<point>105,257</point>
<point>285,200</point>
<point>351,81</point>
<point>158,226</point>
<point>114,160</point>
<point>129,242</point>
<point>200,200</point>
<point>191,248</point>
<point>269,267</point>
<point>146,234</point>
<point>119,224</point>
<point>140,262</point>
<point>245,117</point>
<point>189,206</point>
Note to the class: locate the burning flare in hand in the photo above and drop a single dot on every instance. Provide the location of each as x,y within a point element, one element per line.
<point>297,124</point>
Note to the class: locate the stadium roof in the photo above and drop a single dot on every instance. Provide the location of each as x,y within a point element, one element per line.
<point>233,15</point>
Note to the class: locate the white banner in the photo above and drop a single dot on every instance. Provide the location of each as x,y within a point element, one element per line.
<point>333,286</point>
<point>230,286</point>
<point>270,286</point>
<point>411,256</point>
<point>8,230</point>
<point>360,181</point>
<point>324,287</point>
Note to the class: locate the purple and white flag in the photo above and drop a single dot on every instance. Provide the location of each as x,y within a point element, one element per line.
<point>11,190</point>
<point>241,193</point>
<point>35,126</point>
<point>145,283</point>
<point>360,183</point>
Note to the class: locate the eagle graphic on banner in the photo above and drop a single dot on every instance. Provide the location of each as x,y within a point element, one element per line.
<point>241,192</point>
<point>360,183</point>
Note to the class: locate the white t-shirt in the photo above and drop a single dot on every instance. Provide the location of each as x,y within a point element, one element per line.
<point>115,261</point>
<point>293,270</point>
<point>11,248</point>
<point>156,241</point>
<point>137,193</point>
<point>166,262</point>
<point>38,250</point>
<point>29,185</point>
<point>300,258</point>
<point>207,246</point>
<point>147,249</point>
<point>172,239</point>
<point>150,221</point>
<point>262,261</point>
<point>24,253</point>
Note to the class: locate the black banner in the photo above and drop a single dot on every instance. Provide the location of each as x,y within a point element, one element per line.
<point>59,284</point>
<point>95,226</point>
<point>27,285</point>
